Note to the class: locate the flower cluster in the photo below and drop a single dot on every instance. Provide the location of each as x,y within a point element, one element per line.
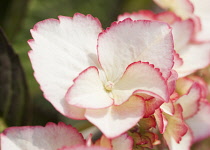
<point>135,81</point>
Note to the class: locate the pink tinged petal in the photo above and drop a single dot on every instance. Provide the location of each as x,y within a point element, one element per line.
<point>82,147</point>
<point>88,91</point>
<point>151,105</point>
<point>171,82</point>
<point>140,77</point>
<point>123,142</point>
<point>202,83</point>
<point>140,15</point>
<point>130,41</point>
<point>57,49</point>
<point>176,127</point>
<point>200,123</point>
<point>160,120</point>
<point>104,142</point>
<point>184,144</point>
<point>183,85</point>
<point>116,120</point>
<point>182,8</point>
<point>195,56</point>
<point>168,108</point>
<point>178,61</point>
<point>202,11</point>
<point>50,137</point>
<point>182,34</point>
<point>190,101</point>
<point>168,17</point>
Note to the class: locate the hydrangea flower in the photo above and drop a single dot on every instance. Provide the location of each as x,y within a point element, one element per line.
<point>90,73</point>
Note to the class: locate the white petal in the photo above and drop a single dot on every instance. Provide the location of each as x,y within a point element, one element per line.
<point>130,41</point>
<point>184,144</point>
<point>116,120</point>
<point>61,49</point>
<point>160,120</point>
<point>176,127</point>
<point>202,11</point>
<point>168,108</point>
<point>182,34</point>
<point>195,56</point>
<point>88,91</point>
<point>200,123</point>
<point>190,101</point>
<point>50,137</point>
<point>140,78</point>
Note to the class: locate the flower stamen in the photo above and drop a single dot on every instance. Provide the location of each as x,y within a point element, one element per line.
<point>109,85</point>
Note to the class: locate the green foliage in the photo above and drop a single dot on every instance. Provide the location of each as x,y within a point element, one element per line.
<point>15,100</point>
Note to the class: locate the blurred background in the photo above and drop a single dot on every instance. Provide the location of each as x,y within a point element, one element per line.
<point>21,100</point>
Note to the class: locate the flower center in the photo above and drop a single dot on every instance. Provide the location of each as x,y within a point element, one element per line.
<point>109,85</point>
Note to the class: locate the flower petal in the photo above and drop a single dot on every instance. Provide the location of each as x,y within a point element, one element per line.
<point>183,8</point>
<point>82,147</point>
<point>168,108</point>
<point>151,105</point>
<point>88,91</point>
<point>182,34</point>
<point>195,56</point>
<point>200,122</point>
<point>130,41</point>
<point>123,142</point>
<point>184,144</point>
<point>190,101</point>
<point>177,60</point>
<point>176,127</point>
<point>57,49</point>
<point>115,120</point>
<point>50,137</point>
<point>140,15</point>
<point>171,82</point>
<point>160,120</point>
<point>140,77</point>
<point>202,11</point>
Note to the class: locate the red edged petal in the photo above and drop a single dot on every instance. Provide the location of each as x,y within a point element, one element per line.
<point>151,105</point>
<point>190,101</point>
<point>88,91</point>
<point>168,17</point>
<point>130,41</point>
<point>116,120</point>
<point>168,108</point>
<point>140,15</point>
<point>138,78</point>
<point>176,127</point>
<point>195,56</point>
<point>178,61</point>
<point>50,137</point>
<point>182,8</point>
<point>200,122</point>
<point>160,120</point>
<point>57,49</point>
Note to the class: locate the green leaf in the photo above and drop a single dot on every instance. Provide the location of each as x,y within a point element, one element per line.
<point>14,96</point>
